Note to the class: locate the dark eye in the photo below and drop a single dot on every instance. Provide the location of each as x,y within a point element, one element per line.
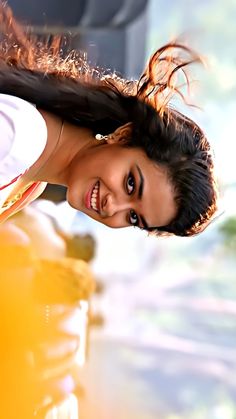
<point>130,184</point>
<point>133,218</point>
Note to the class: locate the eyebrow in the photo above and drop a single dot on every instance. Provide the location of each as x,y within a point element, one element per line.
<point>141,182</point>
<point>140,194</point>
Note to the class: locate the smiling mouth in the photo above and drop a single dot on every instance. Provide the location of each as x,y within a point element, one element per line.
<point>94,200</point>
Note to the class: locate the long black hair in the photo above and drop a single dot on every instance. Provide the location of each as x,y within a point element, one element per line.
<point>67,86</point>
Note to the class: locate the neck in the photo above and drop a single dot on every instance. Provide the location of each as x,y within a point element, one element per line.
<point>64,141</point>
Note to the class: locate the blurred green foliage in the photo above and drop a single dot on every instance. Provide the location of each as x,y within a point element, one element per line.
<point>228,229</point>
<point>209,28</point>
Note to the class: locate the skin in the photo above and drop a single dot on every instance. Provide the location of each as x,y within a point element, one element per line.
<point>132,190</point>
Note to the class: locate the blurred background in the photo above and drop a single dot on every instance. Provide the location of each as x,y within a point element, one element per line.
<point>162,340</point>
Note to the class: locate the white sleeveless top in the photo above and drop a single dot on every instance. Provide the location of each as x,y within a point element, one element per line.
<point>23,136</point>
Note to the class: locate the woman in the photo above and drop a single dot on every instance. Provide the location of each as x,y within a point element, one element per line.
<point>125,156</point>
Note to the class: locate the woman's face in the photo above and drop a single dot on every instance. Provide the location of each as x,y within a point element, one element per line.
<point>120,187</point>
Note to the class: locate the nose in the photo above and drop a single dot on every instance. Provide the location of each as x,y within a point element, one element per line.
<point>111,205</point>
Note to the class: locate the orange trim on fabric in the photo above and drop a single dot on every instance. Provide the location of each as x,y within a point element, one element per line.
<point>10,183</point>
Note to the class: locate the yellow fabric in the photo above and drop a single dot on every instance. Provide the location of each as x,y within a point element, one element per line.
<point>19,197</point>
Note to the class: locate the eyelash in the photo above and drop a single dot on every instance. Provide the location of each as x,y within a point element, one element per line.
<point>132,213</point>
<point>130,176</point>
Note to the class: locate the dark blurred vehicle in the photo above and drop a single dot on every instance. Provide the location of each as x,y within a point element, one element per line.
<point>108,30</point>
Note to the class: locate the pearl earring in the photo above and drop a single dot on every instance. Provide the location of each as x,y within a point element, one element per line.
<point>100,137</point>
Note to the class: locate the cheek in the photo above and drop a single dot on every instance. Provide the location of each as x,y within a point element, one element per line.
<point>111,177</point>
<point>113,170</point>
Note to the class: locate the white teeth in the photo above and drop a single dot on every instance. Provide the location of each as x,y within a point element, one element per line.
<point>94,196</point>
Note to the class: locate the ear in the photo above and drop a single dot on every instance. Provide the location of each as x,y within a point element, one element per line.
<point>120,135</point>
